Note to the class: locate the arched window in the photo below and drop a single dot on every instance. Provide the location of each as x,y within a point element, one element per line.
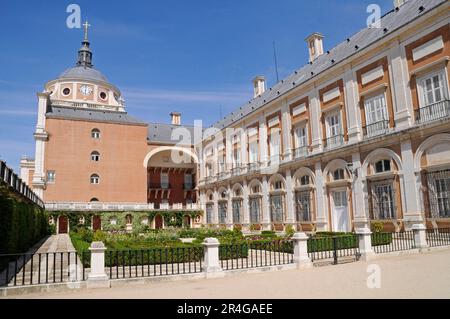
<point>304,180</point>
<point>94,200</point>
<point>237,192</point>
<point>382,166</point>
<point>338,174</point>
<point>95,133</point>
<point>223,194</point>
<point>95,179</point>
<point>129,219</point>
<point>256,189</point>
<point>95,156</point>
<point>211,197</point>
<point>278,185</point>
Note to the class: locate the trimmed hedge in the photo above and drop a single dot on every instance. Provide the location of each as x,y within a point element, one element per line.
<point>22,224</point>
<point>379,239</point>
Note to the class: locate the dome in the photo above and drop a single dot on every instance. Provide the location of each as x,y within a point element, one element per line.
<point>84,73</point>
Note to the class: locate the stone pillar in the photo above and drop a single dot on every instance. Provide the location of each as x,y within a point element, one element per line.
<point>410,187</point>
<point>301,258</point>
<point>290,203</point>
<point>365,243</point>
<point>211,262</point>
<point>286,127</point>
<point>315,122</point>
<point>420,236</point>
<point>229,208</point>
<point>97,277</point>
<point>321,206</point>
<point>351,104</point>
<point>263,141</point>
<point>400,86</point>
<point>246,207</point>
<point>265,205</point>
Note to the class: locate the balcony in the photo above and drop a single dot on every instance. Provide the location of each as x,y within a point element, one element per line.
<point>253,167</point>
<point>97,206</point>
<point>433,112</point>
<point>159,186</point>
<point>301,151</point>
<point>377,128</point>
<point>333,141</point>
<point>275,159</point>
<point>235,171</point>
<point>210,179</point>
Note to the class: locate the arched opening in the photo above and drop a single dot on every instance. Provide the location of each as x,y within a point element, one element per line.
<point>159,222</point>
<point>171,176</point>
<point>96,223</point>
<point>187,221</point>
<point>237,204</point>
<point>304,199</point>
<point>223,206</point>
<point>255,204</point>
<point>277,201</point>
<point>63,224</point>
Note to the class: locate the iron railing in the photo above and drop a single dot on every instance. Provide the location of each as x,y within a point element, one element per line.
<point>40,268</point>
<point>377,128</point>
<point>153,262</point>
<point>385,242</point>
<point>438,237</point>
<point>255,254</point>
<point>333,247</point>
<point>8,176</point>
<point>301,151</point>
<point>334,141</point>
<point>439,193</point>
<point>433,112</point>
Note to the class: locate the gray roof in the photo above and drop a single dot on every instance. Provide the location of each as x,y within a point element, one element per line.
<point>162,133</point>
<point>393,20</point>
<point>67,113</point>
<point>84,73</point>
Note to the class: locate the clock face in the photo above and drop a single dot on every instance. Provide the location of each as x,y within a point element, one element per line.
<point>85,90</point>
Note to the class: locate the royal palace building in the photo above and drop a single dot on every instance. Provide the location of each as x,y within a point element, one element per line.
<point>360,133</point>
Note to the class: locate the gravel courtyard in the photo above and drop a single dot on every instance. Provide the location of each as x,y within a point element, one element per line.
<point>406,276</point>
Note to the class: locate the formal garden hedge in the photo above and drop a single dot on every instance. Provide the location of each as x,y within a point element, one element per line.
<point>22,223</point>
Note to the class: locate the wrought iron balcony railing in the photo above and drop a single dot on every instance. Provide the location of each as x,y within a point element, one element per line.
<point>301,151</point>
<point>377,128</point>
<point>334,141</point>
<point>433,112</point>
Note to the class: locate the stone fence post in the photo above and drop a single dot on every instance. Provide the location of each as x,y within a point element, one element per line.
<point>420,236</point>
<point>97,277</point>
<point>301,258</point>
<point>211,262</point>
<point>365,243</point>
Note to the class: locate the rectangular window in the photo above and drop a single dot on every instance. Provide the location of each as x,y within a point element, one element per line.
<point>236,157</point>
<point>165,180</point>
<point>253,152</point>
<point>188,181</point>
<point>300,141</point>
<point>303,206</point>
<point>383,200</point>
<point>333,124</point>
<point>237,204</point>
<point>439,193</point>
<point>51,176</point>
<point>276,208</point>
<point>433,88</point>
<point>221,163</point>
<point>222,212</point>
<point>255,208</point>
<point>209,213</point>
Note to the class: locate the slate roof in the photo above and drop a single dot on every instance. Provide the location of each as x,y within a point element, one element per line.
<point>162,133</point>
<point>84,73</point>
<point>68,113</point>
<point>391,21</point>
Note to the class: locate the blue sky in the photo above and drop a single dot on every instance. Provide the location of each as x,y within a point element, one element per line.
<point>196,57</point>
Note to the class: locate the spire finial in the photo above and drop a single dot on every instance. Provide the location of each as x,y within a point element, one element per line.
<point>86,26</point>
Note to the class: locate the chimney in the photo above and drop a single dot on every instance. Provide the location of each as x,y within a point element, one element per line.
<point>398,3</point>
<point>259,85</point>
<point>176,118</point>
<point>315,45</point>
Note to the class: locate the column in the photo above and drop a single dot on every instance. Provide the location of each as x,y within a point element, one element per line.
<point>245,206</point>
<point>301,258</point>
<point>321,206</point>
<point>290,203</point>
<point>361,213</point>
<point>265,204</point>
<point>286,127</point>
<point>211,262</point>
<point>410,184</point>
<point>316,123</point>
<point>263,141</point>
<point>244,146</point>
<point>351,104</point>
<point>97,277</point>
<point>403,110</point>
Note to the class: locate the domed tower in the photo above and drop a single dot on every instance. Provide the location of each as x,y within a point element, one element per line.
<point>83,131</point>
<point>83,86</point>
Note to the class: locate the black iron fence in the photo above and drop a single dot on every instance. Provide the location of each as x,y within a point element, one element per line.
<point>40,268</point>
<point>438,237</point>
<point>333,247</point>
<point>256,254</point>
<point>8,176</point>
<point>390,242</point>
<point>153,262</point>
